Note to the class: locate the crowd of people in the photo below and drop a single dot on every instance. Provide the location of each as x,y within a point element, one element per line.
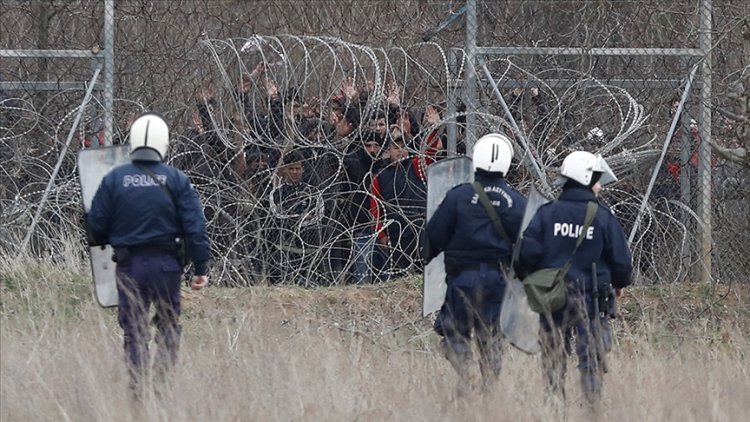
<point>315,192</point>
<point>321,191</point>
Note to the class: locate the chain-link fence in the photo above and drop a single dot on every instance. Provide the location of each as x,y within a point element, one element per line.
<point>294,141</point>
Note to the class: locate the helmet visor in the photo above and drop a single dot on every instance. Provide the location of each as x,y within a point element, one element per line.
<point>608,176</point>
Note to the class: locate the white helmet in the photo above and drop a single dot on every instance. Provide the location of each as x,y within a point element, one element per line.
<point>149,133</point>
<point>580,167</point>
<point>493,152</point>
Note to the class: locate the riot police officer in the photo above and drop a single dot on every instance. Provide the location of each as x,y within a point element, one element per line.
<point>148,211</point>
<point>602,261</point>
<point>475,253</point>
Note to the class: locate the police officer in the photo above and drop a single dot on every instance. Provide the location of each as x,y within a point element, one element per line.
<point>143,209</point>
<point>474,253</point>
<point>603,260</point>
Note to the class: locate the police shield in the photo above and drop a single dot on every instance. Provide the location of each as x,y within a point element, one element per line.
<point>441,177</point>
<point>518,323</point>
<point>93,165</point>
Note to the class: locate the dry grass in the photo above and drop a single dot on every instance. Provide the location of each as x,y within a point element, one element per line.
<point>349,354</point>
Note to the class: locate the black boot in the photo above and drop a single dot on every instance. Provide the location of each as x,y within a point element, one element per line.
<point>554,366</point>
<point>459,356</point>
<point>591,385</point>
<point>490,361</point>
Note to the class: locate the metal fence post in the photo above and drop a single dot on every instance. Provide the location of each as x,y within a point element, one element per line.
<point>687,174</point>
<point>704,153</point>
<point>451,106</point>
<point>109,70</point>
<point>470,87</point>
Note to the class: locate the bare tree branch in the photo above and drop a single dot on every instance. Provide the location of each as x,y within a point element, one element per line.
<point>735,155</point>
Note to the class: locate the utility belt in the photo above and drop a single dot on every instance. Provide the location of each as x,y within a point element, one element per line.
<point>124,255</point>
<point>454,268</point>
<point>602,299</point>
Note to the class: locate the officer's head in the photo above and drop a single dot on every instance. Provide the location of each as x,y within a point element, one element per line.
<point>584,169</point>
<point>492,154</point>
<point>149,138</point>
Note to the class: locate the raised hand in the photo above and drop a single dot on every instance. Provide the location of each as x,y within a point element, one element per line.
<point>431,116</point>
<point>370,85</point>
<point>404,124</point>
<point>272,90</point>
<point>334,117</point>
<point>393,95</point>
<point>247,83</point>
<point>310,108</point>
<point>260,68</point>
<point>349,89</point>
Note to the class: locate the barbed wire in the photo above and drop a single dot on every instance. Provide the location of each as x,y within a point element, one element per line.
<point>234,125</point>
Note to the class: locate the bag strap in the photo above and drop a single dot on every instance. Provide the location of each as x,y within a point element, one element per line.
<point>164,186</point>
<point>591,208</point>
<point>485,200</point>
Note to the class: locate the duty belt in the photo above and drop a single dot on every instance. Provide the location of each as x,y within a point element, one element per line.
<point>477,266</point>
<point>151,250</point>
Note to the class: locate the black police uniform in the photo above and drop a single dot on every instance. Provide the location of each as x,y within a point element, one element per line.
<point>474,252</point>
<point>548,242</point>
<point>141,220</point>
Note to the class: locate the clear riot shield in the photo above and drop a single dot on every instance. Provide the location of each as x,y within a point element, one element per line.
<point>93,165</point>
<point>518,323</point>
<point>442,176</point>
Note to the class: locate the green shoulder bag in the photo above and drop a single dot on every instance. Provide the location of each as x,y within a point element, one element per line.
<point>545,288</point>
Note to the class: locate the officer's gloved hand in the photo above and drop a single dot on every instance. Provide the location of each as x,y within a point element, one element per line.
<point>90,239</point>
<point>425,249</point>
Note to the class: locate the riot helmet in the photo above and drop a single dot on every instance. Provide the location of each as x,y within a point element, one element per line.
<point>586,169</point>
<point>149,138</point>
<point>493,153</point>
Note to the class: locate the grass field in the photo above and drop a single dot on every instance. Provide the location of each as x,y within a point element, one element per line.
<point>346,353</point>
